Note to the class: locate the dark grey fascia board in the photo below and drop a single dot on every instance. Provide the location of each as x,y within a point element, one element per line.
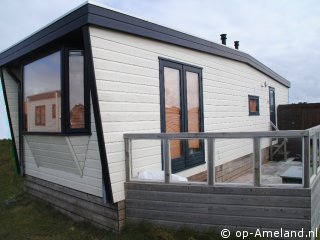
<point>102,17</point>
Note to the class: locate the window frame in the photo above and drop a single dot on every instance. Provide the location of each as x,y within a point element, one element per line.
<point>185,161</point>
<point>64,83</point>
<point>67,92</point>
<point>256,98</point>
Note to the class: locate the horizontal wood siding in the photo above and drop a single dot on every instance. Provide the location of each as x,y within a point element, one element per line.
<point>60,159</point>
<point>13,102</point>
<point>230,207</point>
<point>78,205</point>
<point>127,75</point>
<point>73,161</point>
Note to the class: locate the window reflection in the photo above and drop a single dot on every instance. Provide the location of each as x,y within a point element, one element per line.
<point>253,105</point>
<point>173,107</point>
<point>193,109</point>
<point>42,90</point>
<point>76,89</point>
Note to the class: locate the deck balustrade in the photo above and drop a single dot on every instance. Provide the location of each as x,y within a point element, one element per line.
<point>307,137</point>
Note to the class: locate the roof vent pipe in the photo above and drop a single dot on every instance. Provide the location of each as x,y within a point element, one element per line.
<point>236,45</point>
<point>223,38</point>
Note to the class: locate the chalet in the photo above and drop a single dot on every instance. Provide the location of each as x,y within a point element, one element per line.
<point>112,115</point>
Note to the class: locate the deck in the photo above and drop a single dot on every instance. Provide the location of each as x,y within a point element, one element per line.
<point>253,202</point>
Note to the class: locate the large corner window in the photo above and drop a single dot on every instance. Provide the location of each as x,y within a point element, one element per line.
<point>181,111</point>
<point>55,94</point>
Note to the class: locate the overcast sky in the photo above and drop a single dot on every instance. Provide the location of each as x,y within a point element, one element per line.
<point>282,34</point>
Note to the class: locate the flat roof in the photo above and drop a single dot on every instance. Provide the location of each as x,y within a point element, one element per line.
<point>97,15</point>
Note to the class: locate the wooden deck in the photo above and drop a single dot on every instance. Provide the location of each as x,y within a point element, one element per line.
<point>213,205</point>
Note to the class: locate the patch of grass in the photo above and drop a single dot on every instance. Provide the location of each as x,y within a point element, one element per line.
<point>10,181</point>
<point>147,231</point>
<point>23,217</point>
<point>27,218</point>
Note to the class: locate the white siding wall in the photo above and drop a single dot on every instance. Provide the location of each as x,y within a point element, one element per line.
<point>56,165</point>
<point>13,100</point>
<point>127,73</point>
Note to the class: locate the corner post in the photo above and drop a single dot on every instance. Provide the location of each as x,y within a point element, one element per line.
<point>128,158</point>
<point>211,162</point>
<point>314,154</point>
<point>257,161</point>
<point>166,160</point>
<point>306,161</point>
<point>285,149</point>
<point>318,142</point>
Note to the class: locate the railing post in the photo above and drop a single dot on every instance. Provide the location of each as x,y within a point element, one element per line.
<point>257,161</point>
<point>285,154</point>
<point>314,154</point>
<point>128,158</point>
<point>166,160</point>
<point>306,161</point>
<point>211,162</point>
<point>318,145</point>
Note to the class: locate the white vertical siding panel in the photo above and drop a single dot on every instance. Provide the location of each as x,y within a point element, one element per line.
<point>13,101</point>
<point>127,74</point>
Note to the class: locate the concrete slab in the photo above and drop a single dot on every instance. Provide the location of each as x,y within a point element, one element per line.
<point>270,172</point>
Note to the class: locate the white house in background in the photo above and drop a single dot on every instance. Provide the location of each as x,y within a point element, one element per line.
<point>43,112</point>
<point>125,75</point>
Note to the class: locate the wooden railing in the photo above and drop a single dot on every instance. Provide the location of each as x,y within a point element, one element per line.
<point>210,137</point>
<point>281,145</point>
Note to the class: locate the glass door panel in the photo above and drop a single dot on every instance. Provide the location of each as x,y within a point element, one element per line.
<point>173,108</point>
<point>272,104</point>
<point>193,109</point>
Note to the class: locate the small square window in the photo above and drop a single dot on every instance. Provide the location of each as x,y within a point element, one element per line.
<point>253,105</point>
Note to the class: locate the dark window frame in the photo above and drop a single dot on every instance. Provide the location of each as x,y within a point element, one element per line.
<point>85,89</point>
<point>186,161</point>
<point>64,78</point>
<point>256,98</point>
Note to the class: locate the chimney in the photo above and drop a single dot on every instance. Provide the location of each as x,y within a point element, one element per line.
<point>236,45</point>
<point>223,38</point>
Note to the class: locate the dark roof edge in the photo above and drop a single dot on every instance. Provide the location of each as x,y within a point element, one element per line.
<point>103,17</point>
